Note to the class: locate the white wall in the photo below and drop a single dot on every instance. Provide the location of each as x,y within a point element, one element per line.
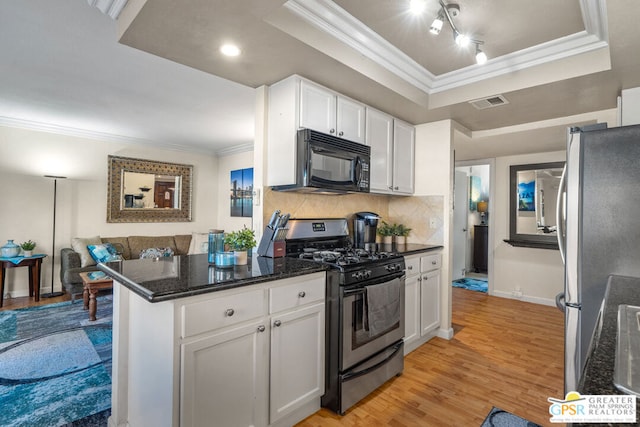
<point>434,148</point>
<point>225,165</point>
<point>537,273</point>
<point>27,197</point>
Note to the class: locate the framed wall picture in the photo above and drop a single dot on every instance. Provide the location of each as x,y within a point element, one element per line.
<point>241,192</point>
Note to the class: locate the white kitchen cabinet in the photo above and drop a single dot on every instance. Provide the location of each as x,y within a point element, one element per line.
<point>392,145</point>
<point>422,299</point>
<point>248,356</point>
<point>223,378</point>
<point>296,103</point>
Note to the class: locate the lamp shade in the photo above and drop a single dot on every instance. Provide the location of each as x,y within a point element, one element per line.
<point>482,206</point>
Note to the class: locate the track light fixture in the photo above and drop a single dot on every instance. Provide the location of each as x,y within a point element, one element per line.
<point>448,12</point>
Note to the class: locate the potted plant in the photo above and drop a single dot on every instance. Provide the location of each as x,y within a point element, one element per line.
<point>240,242</point>
<point>401,233</point>
<point>27,247</point>
<point>386,231</point>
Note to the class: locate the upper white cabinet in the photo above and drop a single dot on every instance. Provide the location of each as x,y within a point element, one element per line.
<point>392,143</point>
<point>328,112</point>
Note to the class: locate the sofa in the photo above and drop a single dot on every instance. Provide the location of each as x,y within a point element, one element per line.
<point>77,259</point>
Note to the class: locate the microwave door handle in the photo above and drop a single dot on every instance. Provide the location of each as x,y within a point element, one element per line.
<point>356,171</point>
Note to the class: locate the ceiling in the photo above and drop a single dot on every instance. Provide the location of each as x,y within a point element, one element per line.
<point>68,65</point>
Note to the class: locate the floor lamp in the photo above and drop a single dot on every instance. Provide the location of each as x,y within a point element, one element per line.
<point>53,251</point>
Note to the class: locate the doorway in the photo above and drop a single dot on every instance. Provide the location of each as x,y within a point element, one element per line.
<point>472,258</point>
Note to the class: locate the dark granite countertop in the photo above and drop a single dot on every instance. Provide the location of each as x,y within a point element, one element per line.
<point>175,277</point>
<point>409,248</point>
<point>597,378</point>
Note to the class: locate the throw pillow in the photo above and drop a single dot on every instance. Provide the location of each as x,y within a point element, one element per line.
<point>156,253</point>
<point>199,243</point>
<point>104,253</point>
<point>79,245</point>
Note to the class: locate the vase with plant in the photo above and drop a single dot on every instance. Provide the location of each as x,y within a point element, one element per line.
<point>400,234</point>
<point>386,232</point>
<point>28,247</point>
<point>240,242</point>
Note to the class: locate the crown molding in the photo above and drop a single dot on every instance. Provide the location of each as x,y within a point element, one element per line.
<point>230,151</point>
<point>111,8</point>
<point>99,136</point>
<point>328,17</point>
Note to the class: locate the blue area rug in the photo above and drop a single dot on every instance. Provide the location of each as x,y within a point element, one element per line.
<point>477,285</point>
<point>499,418</point>
<point>55,365</point>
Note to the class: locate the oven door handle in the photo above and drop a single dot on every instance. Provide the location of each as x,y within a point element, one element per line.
<point>353,375</point>
<point>349,292</point>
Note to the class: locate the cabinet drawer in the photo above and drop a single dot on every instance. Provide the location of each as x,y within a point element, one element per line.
<point>299,292</point>
<point>412,265</point>
<point>431,262</point>
<point>220,312</point>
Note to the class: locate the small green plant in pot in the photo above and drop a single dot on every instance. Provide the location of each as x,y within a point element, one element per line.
<point>28,247</point>
<point>240,242</point>
<point>401,233</point>
<point>386,231</point>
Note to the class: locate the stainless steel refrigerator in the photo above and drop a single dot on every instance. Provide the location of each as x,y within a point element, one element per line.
<point>601,233</point>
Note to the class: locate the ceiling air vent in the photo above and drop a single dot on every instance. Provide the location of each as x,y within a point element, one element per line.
<point>490,102</point>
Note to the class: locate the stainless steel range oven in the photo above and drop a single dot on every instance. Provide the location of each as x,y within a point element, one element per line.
<point>365,310</point>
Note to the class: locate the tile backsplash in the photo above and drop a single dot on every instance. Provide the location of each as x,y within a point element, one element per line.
<point>418,212</point>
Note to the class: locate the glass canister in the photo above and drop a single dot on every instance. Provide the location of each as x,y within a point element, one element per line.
<point>216,244</point>
<point>10,250</point>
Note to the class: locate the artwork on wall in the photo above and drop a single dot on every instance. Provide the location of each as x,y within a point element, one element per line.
<point>526,196</point>
<point>475,192</point>
<point>241,192</point>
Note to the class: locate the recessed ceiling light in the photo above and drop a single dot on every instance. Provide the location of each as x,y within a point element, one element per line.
<point>230,50</point>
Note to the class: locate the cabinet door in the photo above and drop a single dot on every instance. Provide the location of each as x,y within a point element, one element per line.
<point>411,309</point>
<point>403,157</point>
<point>224,378</point>
<point>379,136</point>
<point>297,359</point>
<point>430,301</point>
<point>317,108</point>
<point>350,119</point>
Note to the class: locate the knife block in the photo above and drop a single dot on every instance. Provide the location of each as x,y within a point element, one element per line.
<point>273,243</point>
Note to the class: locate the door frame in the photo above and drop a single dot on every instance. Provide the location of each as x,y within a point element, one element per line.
<point>491,162</point>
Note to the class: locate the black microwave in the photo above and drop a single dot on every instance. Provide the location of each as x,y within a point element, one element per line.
<point>328,164</point>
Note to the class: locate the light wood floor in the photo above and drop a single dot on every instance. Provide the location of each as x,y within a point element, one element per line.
<point>21,302</point>
<point>504,353</point>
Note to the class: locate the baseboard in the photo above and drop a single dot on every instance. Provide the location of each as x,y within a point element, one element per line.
<point>446,334</point>
<point>525,298</point>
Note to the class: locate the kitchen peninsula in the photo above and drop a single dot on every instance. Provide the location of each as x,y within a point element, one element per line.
<point>194,344</point>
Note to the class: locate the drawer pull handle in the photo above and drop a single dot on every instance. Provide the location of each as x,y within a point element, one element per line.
<point>434,262</point>
<point>302,294</point>
<point>261,328</point>
<point>277,323</point>
<point>410,267</point>
<point>229,312</point>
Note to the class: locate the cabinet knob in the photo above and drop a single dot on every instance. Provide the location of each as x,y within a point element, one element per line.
<point>229,312</point>
<point>410,267</point>
<point>332,131</point>
<point>391,187</point>
<point>396,188</point>
<point>261,328</point>
<point>302,294</point>
<point>434,262</point>
<point>425,278</point>
<point>340,133</point>
<point>277,323</point>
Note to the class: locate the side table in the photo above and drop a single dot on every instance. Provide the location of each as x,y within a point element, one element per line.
<point>33,262</point>
<point>91,288</point>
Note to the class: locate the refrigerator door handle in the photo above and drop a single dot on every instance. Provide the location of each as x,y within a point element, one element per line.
<point>560,214</point>
<point>560,302</point>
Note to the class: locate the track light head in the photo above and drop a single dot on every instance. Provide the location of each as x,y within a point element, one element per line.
<point>436,25</point>
<point>462,40</point>
<point>481,57</point>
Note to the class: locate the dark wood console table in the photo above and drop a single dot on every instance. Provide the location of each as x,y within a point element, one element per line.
<point>34,263</point>
<point>480,247</point>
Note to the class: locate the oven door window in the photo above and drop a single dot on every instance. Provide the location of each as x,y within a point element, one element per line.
<point>330,167</point>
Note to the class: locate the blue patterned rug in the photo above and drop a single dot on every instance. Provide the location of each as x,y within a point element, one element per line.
<point>477,285</point>
<point>55,365</point>
<point>499,418</point>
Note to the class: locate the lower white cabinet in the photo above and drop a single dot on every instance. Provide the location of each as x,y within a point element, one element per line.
<point>243,357</point>
<point>422,299</point>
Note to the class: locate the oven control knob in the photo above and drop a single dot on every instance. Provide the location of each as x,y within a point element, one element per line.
<point>358,275</point>
<point>367,274</point>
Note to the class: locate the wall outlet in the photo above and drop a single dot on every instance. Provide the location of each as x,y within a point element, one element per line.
<point>433,223</point>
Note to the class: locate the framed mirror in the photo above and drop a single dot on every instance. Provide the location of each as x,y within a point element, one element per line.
<point>148,191</point>
<point>533,201</point>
